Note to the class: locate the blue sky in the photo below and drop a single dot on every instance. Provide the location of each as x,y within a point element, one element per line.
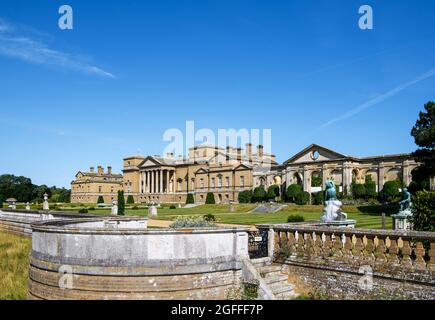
<point>132,69</point>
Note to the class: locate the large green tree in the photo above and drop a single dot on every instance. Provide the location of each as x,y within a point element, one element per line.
<point>121,203</point>
<point>424,136</point>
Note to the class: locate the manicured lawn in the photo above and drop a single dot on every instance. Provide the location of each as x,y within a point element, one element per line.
<point>367,216</point>
<point>14,264</point>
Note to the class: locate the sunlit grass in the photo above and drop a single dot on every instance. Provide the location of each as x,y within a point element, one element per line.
<point>14,264</point>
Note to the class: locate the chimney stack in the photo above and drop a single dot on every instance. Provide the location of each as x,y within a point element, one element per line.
<point>239,154</point>
<point>100,170</point>
<point>249,151</point>
<point>92,170</point>
<point>228,152</point>
<point>109,170</point>
<point>260,152</point>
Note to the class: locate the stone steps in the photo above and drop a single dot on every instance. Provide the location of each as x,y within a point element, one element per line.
<point>276,280</point>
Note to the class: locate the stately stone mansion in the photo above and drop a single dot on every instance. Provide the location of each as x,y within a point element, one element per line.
<point>226,172</point>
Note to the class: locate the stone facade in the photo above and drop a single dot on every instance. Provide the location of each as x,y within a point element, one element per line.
<point>327,164</point>
<point>88,186</point>
<point>226,172</point>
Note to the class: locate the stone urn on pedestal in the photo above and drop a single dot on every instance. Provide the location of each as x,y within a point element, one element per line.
<point>114,208</point>
<point>152,211</point>
<point>401,219</point>
<point>45,205</point>
<point>332,214</point>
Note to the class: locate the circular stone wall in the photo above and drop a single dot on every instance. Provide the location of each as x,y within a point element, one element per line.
<point>119,258</point>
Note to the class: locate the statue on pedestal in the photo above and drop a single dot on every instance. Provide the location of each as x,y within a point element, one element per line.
<point>152,211</point>
<point>401,219</point>
<point>332,212</point>
<point>114,208</point>
<point>27,206</point>
<point>45,205</point>
<point>405,204</point>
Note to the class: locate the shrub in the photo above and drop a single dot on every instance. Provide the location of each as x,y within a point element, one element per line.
<point>318,197</point>
<point>423,204</point>
<point>273,192</point>
<point>259,194</point>
<point>1,201</point>
<point>302,198</point>
<point>358,191</point>
<point>83,210</point>
<point>210,198</point>
<point>172,207</point>
<point>295,218</point>
<point>100,200</point>
<point>292,191</point>
<point>245,196</point>
<point>191,222</point>
<point>390,191</point>
<point>121,203</point>
<point>190,199</point>
<point>130,199</point>
<point>135,208</point>
<point>90,208</point>
<point>209,218</point>
<point>370,187</point>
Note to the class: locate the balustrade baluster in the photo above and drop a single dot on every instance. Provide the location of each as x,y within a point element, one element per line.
<point>419,263</point>
<point>406,254</point>
<point>380,250</point>
<point>431,266</point>
<point>393,252</point>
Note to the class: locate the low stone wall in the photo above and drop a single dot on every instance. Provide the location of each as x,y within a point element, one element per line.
<point>344,263</point>
<point>19,221</point>
<point>119,259</point>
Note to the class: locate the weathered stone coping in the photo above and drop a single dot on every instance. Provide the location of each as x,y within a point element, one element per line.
<point>317,228</point>
<point>73,227</point>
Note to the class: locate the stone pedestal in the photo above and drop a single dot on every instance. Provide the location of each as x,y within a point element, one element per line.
<point>152,212</point>
<point>401,221</point>
<point>114,208</point>
<point>45,205</point>
<point>342,224</point>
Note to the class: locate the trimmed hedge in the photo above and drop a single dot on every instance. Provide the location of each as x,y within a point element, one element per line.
<point>292,191</point>
<point>318,197</point>
<point>210,198</point>
<point>391,191</point>
<point>260,194</point>
<point>273,192</point>
<point>295,218</point>
<point>358,191</point>
<point>245,196</point>
<point>302,198</point>
<point>130,199</point>
<point>190,199</point>
<point>100,200</point>
<point>121,203</point>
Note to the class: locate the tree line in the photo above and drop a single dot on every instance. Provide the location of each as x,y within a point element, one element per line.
<point>23,190</point>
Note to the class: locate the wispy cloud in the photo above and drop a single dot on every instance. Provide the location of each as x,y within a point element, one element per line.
<point>20,46</point>
<point>380,98</point>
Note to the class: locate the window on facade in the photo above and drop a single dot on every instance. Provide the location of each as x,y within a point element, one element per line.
<point>227,182</point>
<point>213,183</point>
<point>193,184</point>
<point>180,185</point>
<point>242,182</point>
<point>202,183</point>
<point>220,182</point>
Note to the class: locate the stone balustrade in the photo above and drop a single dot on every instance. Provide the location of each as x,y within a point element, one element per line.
<point>397,254</point>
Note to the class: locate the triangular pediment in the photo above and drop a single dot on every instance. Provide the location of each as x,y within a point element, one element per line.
<point>150,162</point>
<point>315,153</point>
<point>201,171</point>
<point>242,167</point>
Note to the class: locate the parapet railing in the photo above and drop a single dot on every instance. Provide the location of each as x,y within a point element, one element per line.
<point>409,255</point>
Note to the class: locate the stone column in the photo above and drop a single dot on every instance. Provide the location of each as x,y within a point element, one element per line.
<point>161,181</point>
<point>167,181</point>
<point>406,173</point>
<point>381,177</point>
<point>324,176</point>
<point>175,183</point>
<point>307,180</point>
<point>347,177</point>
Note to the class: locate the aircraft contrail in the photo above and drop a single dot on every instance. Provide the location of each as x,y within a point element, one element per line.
<point>380,98</point>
